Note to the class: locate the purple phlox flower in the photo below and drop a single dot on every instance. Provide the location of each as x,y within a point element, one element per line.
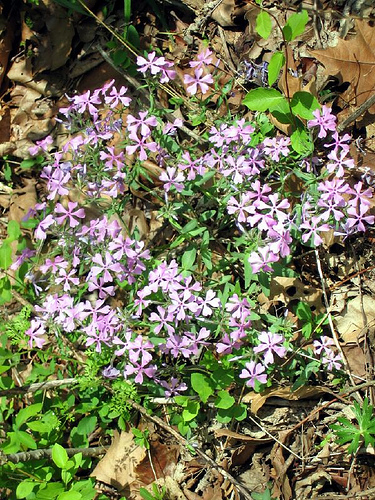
<point>75,315</point>
<point>76,260</point>
<point>138,349</point>
<point>241,324</point>
<point>256,160</point>
<point>259,260</point>
<point>41,145</point>
<point>259,192</point>
<point>197,340</point>
<point>203,59</point>
<point>69,213</point>
<point>133,124</point>
<point>116,96</point>
<point>339,162</point>
<point>120,247</point>
<point>313,226</point>
<point>140,370</point>
<point>239,168</point>
<point>188,284</point>
<point>67,279</point>
<point>177,345</point>
<point>270,343</point>
<point>243,207</point>
<point>95,337</point>
<point>360,196</point>
<point>35,333</point>
<point>142,145</point>
<point>140,302</point>
<point>227,344</point>
<point>152,63</point>
<point>252,372</point>
<point>323,345</point>
<point>193,82</point>
<point>100,286</point>
<point>194,167</point>
<point>112,159</point>
<point>165,276</point>
<point>40,231</point>
<point>173,387</point>
<point>281,239</point>
<point>124,344</point>
<point>181,303</point>
<point>331,209</point>
<point>218,136</point>
<point>359,218</point>
<point>334,190</point>
<point>339,142</point>
<point>171,128</point>
<point>54,264</point>
<point>87,102</point>
<point>110,372</point>
<point>105,266</point>
<point>276,146</point>
<point>56,183</point>
<point>162,318</point>
<point>275,209</point>
<point>25,254</point>
<point>211,301</point>
<point>237,307</point>
<point>172,177</point>
<point>167,72</point>
<point>332,360</point>
<point>324,119</point>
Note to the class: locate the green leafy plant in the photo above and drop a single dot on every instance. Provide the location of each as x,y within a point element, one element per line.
<point>357,434</point>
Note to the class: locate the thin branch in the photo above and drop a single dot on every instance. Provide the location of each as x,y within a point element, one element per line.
<point>357,113</point>
<point>45,386</point>
<point>26,456</point>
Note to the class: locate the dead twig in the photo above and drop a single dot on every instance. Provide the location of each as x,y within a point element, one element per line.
<point>44,386</point>
<point>357,113</point>
<point>26,456</point>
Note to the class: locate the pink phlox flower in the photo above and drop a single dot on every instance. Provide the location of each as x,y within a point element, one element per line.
<point>259,260</point>
<point>54,264</point>
<point>171,177</point>
<point>256,160</point>
<point>112,159</point>
<point>252,372</point>
<point>140,370</point>
<point>120,247</point>
<point>359,218</point>
<point>198,340</point>
<point>177,345</point>
<point>87,102</point>
<point>67,279</point>
<point>100,286</point>
<point>193,82</point>
<point>141,144</point>
<point>339,142</point>
<point>332,360</point>
<point>40,231</point>
<point>194,167</point>
<point>276,146</point>
<point>334,190</point>
<point>74,316</point>
<point>259,193</point>
<point>140,302</point>
<point>242,207</point>
<point>339,162</point>
<point>173,388</point>
<point>35,332</point>
<point>239,168</point>
<point>227,344</point>
<point>313,226</point>
<point>331,209</point>
<point>270,343</point>
<point>203,59</point>
<point>324,119</point>
<point>152,63</point>
<point>218,136</point>
<point>241,324</point>
<point>124,344</point>
<point>275,209</point>
<point>237,307</point>
<point>116,96</point>
<point>188,284</point>
<point>165,277</point>
<point>138,349</point>
<point>360,196</point>
<point>105,266</point>
<point>56,184</point>
<point>69,213</point>
<point>133,123</point>
<point>110,372</point>
<point>171,128</point>
<point>239,132</point>
<point>167,72</point>
<point>281,239</point>
<point>181,303</point>
<point>209,303</point>
<point>323,344</point>
<point>41,145</point>
<point>162,318</point>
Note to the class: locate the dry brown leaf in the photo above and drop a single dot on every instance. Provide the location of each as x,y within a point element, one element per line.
<point>257,400</point>
<point>281,483</point>
<point>22,201</point>
<point>351,324</point>
<point>353,61</point>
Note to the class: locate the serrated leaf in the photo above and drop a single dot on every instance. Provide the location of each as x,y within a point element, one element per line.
<point>263,24</point>
<point>262,99</point>
<point>274,67</point>
<point>295,25</point>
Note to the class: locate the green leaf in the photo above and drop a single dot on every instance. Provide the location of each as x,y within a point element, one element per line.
<point>25,488</point>
<point>303,104</point>
<point>26,413</point>
<point>274,67</point>
<point>202,385</point>
<point>303,311</point>
<point>25,439</point>
<point>224,400</point>
<point>59,456</point>
<point>86,425</point>
<point>295,25</point>
<point>13,230</point>
<point>191,411</point>
<point>133,36</point>
<point>188,258</point>
<point>301,141</point>
<point>263,24</point>
<point>51,491</point>
<point>146,495</point>
<point>262,99</point>
<point>5,256</point>
<point>70,495</point>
